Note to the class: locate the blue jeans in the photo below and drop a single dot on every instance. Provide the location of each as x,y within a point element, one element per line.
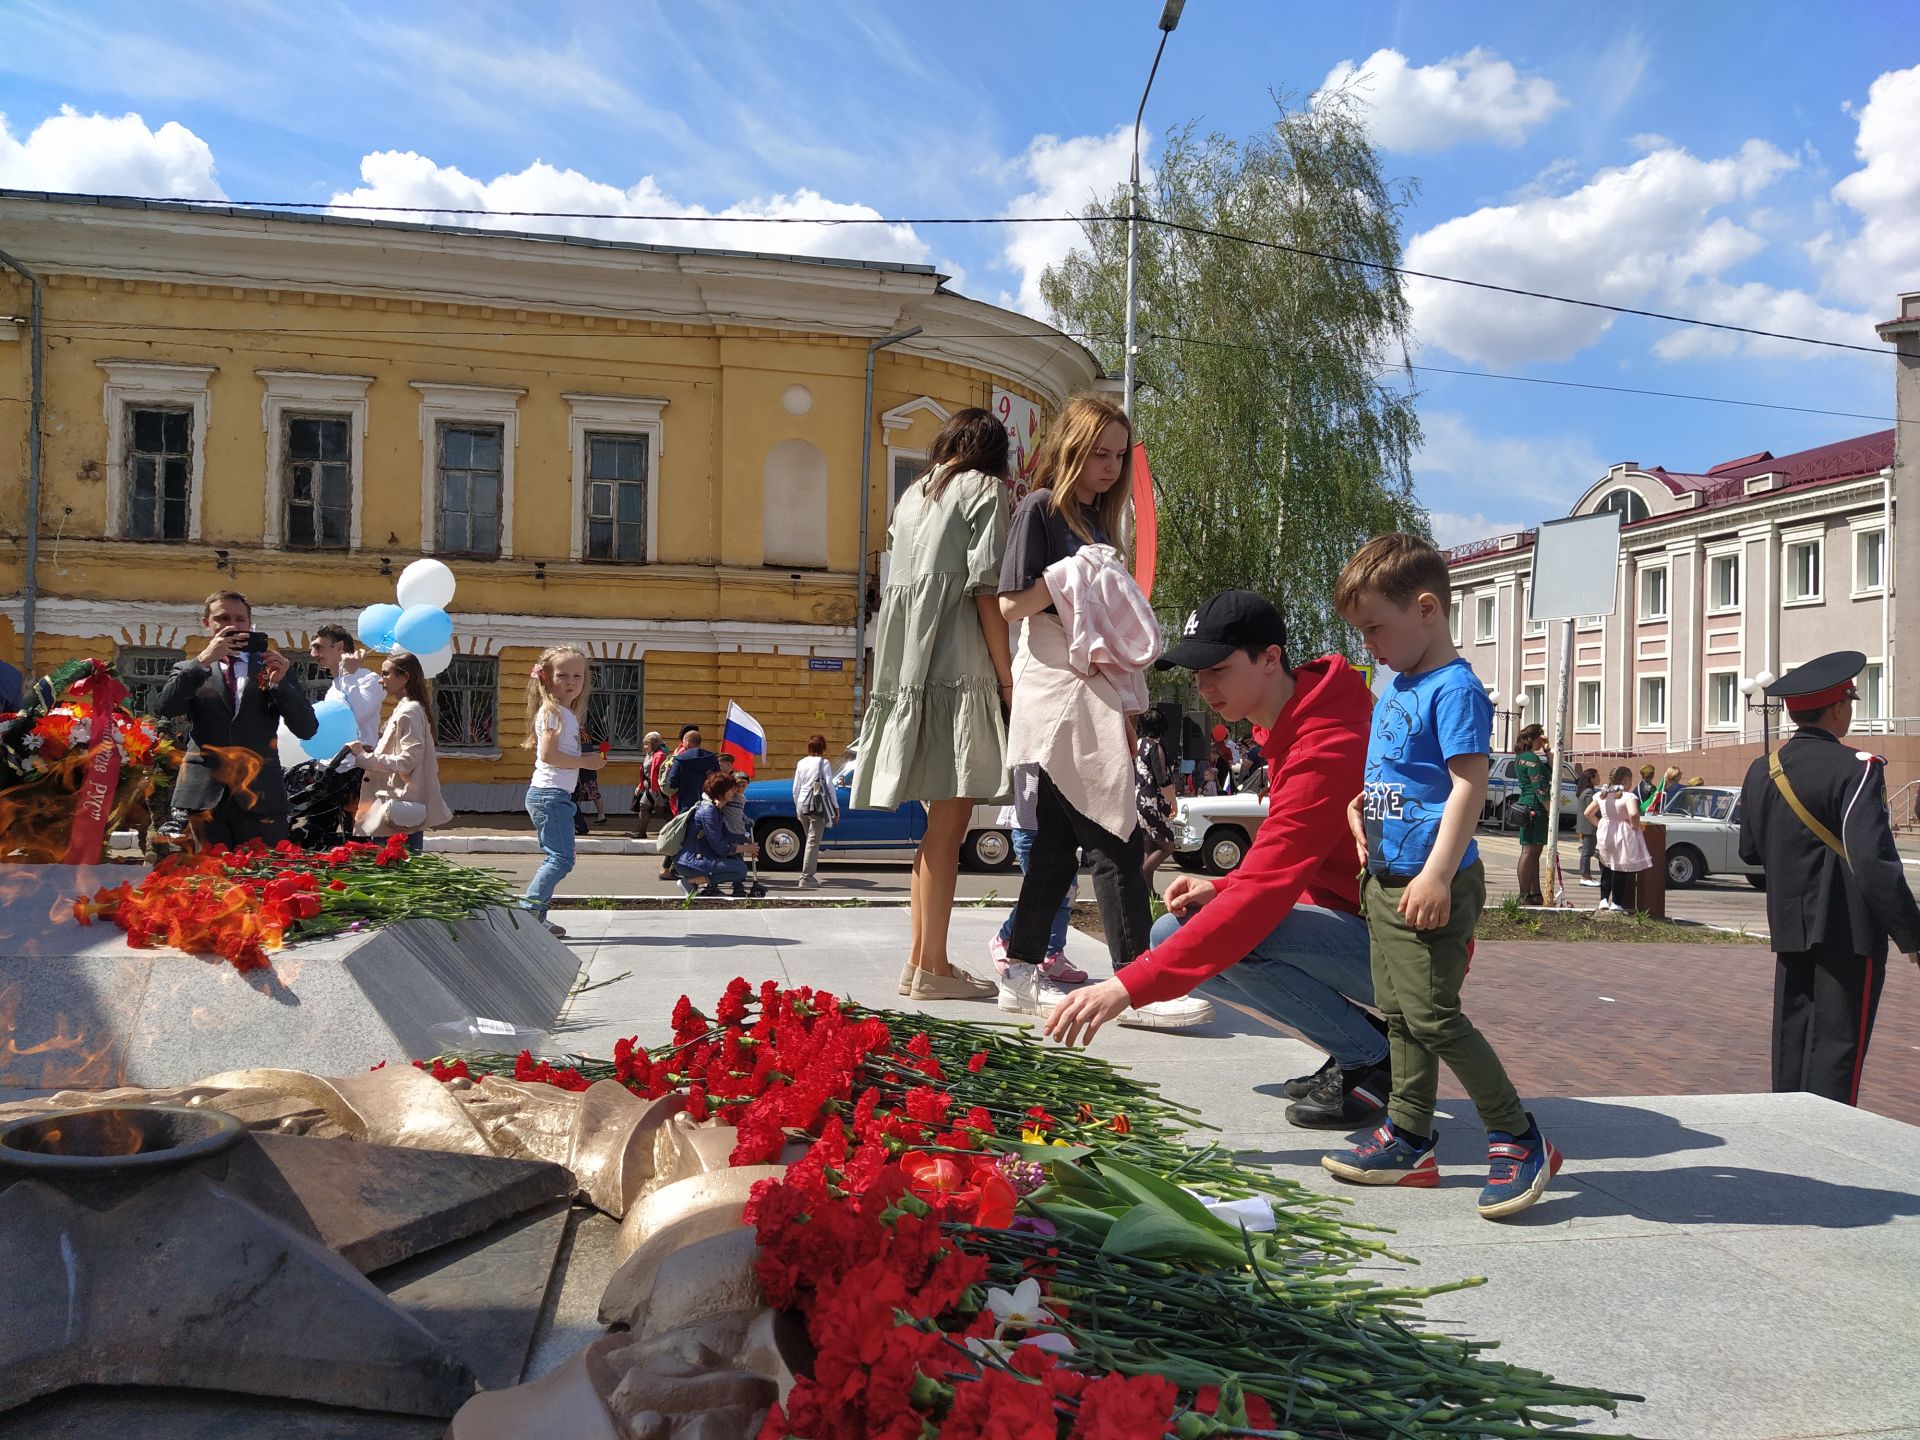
<point>1057,937</point>
<point>729,869</point>
<point>552,813</point>
<point>1307,974</point>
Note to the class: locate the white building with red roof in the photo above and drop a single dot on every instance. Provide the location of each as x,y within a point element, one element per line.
<point>1754,564</point>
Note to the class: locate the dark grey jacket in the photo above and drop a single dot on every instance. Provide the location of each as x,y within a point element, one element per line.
<point>198,692</point>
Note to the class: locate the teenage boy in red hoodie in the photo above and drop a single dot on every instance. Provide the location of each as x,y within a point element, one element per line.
<point>1283,933</point>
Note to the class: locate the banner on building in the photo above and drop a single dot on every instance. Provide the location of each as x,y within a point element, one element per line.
<point>1022,419</point>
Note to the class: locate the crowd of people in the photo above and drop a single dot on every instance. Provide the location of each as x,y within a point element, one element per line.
<point>1010,663</point>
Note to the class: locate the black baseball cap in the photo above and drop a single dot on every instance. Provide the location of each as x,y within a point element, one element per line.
<point>1232,620</point>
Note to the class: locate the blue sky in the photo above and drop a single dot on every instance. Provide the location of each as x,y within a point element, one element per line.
<point>1735,161</point>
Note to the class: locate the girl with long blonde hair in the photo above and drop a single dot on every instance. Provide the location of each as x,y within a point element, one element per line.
<point>1069,740</point>
<point>557,691</point>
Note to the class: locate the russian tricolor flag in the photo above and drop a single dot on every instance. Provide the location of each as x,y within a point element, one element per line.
<point>743,738</point>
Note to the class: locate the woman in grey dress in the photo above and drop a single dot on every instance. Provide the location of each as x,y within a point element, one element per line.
<point>935,729</point>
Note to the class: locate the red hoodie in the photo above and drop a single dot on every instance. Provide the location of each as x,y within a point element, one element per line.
<point>1304,852</point>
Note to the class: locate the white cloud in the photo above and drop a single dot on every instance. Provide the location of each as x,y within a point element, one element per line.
<point>1064,177</point>
<point>1645,235</point>
<point>1470,97</point>
<point>1488,485</point>
<point>1883,256</point>
<point>1450,529</point>
<point>108,155</point>
<point>397,177</point>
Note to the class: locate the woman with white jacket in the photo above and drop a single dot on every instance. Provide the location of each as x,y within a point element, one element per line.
<point>405,768</point>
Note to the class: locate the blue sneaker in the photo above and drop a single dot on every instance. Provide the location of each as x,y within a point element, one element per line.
<point>1386,1157</point>
<point>1518,1169</point>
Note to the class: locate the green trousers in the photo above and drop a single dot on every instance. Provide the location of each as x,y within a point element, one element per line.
<point>1416,985</point>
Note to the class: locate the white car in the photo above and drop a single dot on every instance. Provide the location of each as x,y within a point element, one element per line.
<point>1703,836</point>
<point>1214,832</point>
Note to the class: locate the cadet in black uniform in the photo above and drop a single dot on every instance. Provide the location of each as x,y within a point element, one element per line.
<point>1814,816</point>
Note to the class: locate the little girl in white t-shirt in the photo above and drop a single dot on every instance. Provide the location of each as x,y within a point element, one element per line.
<point>557,692</point>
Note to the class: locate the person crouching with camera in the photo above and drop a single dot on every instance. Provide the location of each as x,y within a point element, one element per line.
<point>234,694</point>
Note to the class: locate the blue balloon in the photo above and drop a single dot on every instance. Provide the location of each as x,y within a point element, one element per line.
<point>423,629</point>
<point>376,626</point>
<point>336,727</point>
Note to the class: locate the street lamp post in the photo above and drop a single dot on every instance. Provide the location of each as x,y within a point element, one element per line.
<point>1169,17</point>
<point>1507,717</point>
<point>1754,689</point>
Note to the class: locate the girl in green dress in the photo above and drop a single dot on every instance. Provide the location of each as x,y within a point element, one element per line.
<point>935,729</point>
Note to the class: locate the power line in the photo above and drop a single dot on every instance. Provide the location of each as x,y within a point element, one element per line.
<point>135,328</point>
<point>1380,266</point>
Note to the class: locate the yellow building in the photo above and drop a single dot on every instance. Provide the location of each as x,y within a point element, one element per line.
<point>653,453</point>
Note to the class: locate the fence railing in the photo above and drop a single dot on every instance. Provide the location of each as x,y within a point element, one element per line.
<point>1903,806</point>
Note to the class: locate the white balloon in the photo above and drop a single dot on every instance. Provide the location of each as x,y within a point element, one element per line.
<point>291,753</point>
<point>425,582</point>
<point>432,665</point>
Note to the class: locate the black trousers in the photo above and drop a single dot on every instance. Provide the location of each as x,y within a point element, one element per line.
<point>232,824</point>
<point>1824,1002</point>
<point>1620,886</point>
<point>1119,885</point>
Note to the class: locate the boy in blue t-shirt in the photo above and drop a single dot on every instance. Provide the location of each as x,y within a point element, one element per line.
<point>1426,784</point>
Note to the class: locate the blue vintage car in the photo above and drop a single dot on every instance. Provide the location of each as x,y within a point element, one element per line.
<point>783,839</point>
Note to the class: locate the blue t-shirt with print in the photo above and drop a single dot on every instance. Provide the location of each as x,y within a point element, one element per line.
<point>1420,723</point>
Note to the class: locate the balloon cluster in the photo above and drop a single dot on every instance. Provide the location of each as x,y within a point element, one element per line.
<point>419,624</point>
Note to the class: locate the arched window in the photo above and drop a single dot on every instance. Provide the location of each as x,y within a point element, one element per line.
<point>1627,502</point>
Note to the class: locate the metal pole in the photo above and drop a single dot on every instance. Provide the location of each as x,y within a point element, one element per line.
<point>1553,773</point>
<point>866,508</point>
<point>1169,17</point>
<point>30,586</point>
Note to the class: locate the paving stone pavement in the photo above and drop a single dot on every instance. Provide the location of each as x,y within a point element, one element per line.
<point>1750,1263</point>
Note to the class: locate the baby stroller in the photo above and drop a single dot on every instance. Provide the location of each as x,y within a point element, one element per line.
<point>320,797</point>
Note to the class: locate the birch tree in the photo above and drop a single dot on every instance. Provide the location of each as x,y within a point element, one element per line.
<point>1272,388</point>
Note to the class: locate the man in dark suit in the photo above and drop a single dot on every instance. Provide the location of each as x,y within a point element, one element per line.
<point>1814,815</point>
<point>234,698</point>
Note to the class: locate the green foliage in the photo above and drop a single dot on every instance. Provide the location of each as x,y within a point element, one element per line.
<point>1280,425</point>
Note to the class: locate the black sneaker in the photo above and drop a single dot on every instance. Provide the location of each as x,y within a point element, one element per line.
<point>1352,1100</point>
<point>1302,1086</point>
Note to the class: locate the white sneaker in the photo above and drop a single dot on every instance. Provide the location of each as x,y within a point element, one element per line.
<point>1025,991</point>
<point>1594,883</point>
<point>1181,1014</point>
<point>997,951</point>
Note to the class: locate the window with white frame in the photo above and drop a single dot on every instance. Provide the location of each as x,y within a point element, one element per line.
<point>616,442</point>
<point>1532,626</point>
<point>1653,702</point>
<point>468,437</point>
<point>1453,619</point>
<point>144,670</point>
<point>1586,704</point>
<point>466,704</point>
<point>1801,583</point>
<point>1536,704</point>
<point>907,468</point>
<point>1486,609</point>
<point>317,482</point>
<point>615,706</point>
<point>469,458</point>
<point>316,435</point>
<point>1869,561</point>
<point>1631,505</point>
<point>156,437</point>
<point>1723,581</point>
<point>1653,593</point>
<point>158,460</point>
<point>616,516</point>
<point>1723,700</point>
<point>1872,704</point>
